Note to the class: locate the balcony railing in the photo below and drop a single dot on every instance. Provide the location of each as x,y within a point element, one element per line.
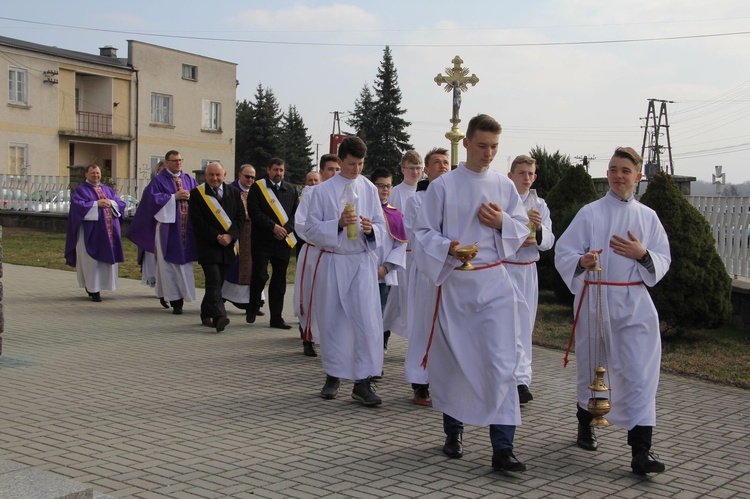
<point>93,123</point>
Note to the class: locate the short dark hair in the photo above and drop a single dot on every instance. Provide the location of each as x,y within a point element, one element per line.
<point>435,150</point>
<point>275,161</point>
<point>484,123</point>
<point>92,165</point>
<point>352,146</point>
<point>329,157</point>
<point>171,153</point>
<point>380,173</point>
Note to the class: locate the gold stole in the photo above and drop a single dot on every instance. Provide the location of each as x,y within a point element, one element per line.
<point>278,210</point>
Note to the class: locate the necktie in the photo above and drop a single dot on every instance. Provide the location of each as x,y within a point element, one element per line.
<point>107,213</point>
<point>218,194</point>
<point>183,206</point>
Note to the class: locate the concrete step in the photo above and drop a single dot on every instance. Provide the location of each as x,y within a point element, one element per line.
<point>21,482</point>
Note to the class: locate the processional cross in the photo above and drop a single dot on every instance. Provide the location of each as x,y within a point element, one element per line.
<point>456,80</point>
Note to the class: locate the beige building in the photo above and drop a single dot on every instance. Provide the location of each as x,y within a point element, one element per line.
<point>71,108</point>
<point>185,102</point>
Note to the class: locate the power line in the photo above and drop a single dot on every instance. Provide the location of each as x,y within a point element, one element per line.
<point>416,45</point>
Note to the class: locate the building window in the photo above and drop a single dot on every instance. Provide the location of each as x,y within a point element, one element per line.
<point>17,86</point>
<point>161,108</point>
<point>189,72</point>
<point>211,115</point>
<point>17,159</point>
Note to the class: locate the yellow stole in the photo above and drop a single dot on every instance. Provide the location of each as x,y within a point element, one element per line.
<point>278,210</point>
<point>218,212</point>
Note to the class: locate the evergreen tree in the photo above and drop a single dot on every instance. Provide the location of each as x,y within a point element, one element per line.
<point>262,131</point>
<point>549,169</point>
<point>696,292</point>
<point>388,138</point>
<point>296,147</point>
<point>242,141</point>
<point>574,190</point>
<point>361,118</point>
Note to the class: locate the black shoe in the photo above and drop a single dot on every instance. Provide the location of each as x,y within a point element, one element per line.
<point>504,460</point>
<point>301,332</point>
<point>177,306</point>
<point>378,378</point>
<point>280,324</point>
<point>364,393</point>
<point>454,447</point>
<point>586,437</point>
<point>250,317</point>
<point>309,349</point>
<point>331,388</point>
<point>95,297</point>
<point>260,313</point>
<point>221,323</point>
<point>207,321</point>
<point>524,395</point>
<point>164,303</point>
<point>645,462</point>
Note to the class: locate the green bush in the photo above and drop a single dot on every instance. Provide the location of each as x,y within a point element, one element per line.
<point>696,292</point>
<point>574,190</point>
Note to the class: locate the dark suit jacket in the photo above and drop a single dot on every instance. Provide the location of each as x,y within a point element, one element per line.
<point>264,218</point>
<point>206,227</point>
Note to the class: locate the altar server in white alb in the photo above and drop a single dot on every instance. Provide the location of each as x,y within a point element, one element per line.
<point>345,222</point>
<point>522,265</point>
<point>420,301</point>
<point>471,355</point>
<point>394,315</point>
<point>626,239</point>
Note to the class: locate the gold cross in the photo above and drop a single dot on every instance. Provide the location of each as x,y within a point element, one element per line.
<point>456,80</point>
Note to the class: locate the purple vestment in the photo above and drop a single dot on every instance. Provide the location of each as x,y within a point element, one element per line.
<point>394,222</point>
<point>143,227</point>
<point>95,233</point>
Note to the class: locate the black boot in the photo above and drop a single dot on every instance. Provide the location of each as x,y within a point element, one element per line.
<point>644,461</point>
<point>177,306</point>
<point>454,447</point>
<point>586,436</point>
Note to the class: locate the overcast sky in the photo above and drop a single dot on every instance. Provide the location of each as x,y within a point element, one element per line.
<point>567,75</point>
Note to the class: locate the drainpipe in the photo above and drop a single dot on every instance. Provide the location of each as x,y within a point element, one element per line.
<point>137,106</point>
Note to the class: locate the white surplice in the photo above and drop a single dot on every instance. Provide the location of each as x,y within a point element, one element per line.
<point>630,321</point>
<point>346,300</point>
<point>522,270</point>
<point>92,274</point>
<point>306,263</point>
<point>473,352</point>
<point>173,281</point>
<point>420,302</point>
<point>395,313</point>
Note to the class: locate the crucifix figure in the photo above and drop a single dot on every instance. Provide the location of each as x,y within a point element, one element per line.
<point>456,80</point>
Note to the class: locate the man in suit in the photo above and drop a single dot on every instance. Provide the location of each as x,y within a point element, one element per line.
<point>271,203</point>
<point>217,215</point>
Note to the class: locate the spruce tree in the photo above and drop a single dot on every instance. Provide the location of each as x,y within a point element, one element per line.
<point>696,291</point>
<point>573,191</point>
<point>361,117</point>
<point>243,138</point>
<point>263,130</point>
<point>296,147</point>
<point>387,138</point>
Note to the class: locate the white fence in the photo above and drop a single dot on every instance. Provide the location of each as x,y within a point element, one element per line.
<point>51,194</point>
<point>729,218</point>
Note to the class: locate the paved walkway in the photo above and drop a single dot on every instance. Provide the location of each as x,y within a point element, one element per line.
<point>136,402</point>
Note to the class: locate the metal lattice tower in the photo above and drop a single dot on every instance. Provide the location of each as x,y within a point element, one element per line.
<point>653,148</point>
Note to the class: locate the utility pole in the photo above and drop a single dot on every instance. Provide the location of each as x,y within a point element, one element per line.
<point>585,160</point>
<point>652,132</point>
<point>719,179</point>
<point>317,153</point>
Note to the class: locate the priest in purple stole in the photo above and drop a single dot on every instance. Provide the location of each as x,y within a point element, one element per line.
<point>161,225</point>
<point>93,245</point>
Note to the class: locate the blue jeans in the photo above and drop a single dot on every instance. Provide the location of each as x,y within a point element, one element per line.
<point>501,435</point>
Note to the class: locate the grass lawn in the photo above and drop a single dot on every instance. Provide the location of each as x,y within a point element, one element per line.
<point>718,355</point>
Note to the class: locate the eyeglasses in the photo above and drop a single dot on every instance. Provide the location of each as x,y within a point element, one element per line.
<point>175,160</point>
<point>248,176</point>
<point>383,186</point>
<point>413,168</point>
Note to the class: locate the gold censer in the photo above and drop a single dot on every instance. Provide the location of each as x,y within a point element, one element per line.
<point>599,404</point>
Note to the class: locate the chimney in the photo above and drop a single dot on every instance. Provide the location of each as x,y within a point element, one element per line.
<point>108,51</point>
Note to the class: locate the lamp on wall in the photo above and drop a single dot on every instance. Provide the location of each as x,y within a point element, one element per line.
<point>115,104</point>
